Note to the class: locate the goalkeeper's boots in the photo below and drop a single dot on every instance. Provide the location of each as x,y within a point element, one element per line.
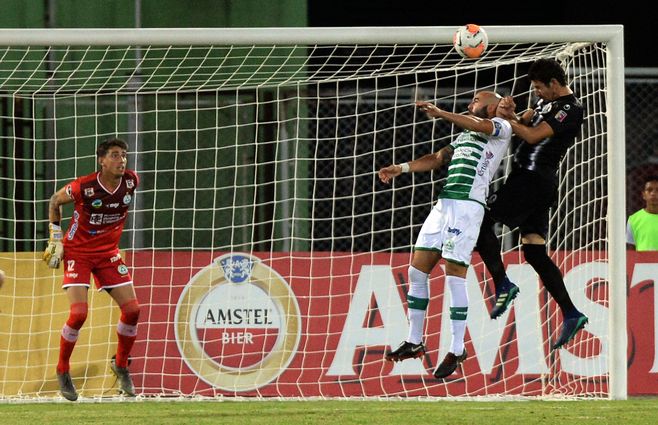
<point>449,364</point>
<point>66,386</point>
<point>570,327</point>
<point>125,381</point>
<point>406,350</point>
<point>504,297</point>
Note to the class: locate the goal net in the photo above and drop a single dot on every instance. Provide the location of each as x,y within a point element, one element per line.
<point>268,259</point>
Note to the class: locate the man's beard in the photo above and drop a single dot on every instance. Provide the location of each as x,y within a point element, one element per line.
<point>481,113</point>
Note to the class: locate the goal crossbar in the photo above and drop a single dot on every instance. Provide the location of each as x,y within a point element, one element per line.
<point>292,36</point>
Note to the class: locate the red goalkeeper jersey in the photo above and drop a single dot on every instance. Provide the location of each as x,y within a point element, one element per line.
<point>99,214</point>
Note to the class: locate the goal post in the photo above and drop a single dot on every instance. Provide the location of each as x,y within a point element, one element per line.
<point>267,258</point>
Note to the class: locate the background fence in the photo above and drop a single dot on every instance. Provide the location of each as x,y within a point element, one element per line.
<point>641,132</point>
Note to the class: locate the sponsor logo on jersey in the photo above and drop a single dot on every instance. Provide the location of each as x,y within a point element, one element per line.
<point>72,275</point>
<point>454,230</point>
<point>96,219</point>
<point>113,205</point>
<point>112,218</point>
<point>130,183</point>
<point>122,269</point>
<point>115,258</point>
<point>74,226</point>
<point>238,323</point>
<point>89,192</point>
<point>462,152</point>
<point>560,116</point>
<point>97,203</point>
<point>488,156</point>
<point>127,199</point>
<point>449,245</point>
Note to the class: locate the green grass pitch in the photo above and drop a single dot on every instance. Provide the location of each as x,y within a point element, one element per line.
<point>366,412</point>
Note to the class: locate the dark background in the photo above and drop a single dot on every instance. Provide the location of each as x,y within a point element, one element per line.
<point>638,46</point>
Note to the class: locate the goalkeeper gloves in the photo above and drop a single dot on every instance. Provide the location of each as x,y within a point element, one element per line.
<point>53,254</point>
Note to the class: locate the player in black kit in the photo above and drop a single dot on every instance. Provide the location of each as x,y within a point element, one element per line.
<point>524,200</point>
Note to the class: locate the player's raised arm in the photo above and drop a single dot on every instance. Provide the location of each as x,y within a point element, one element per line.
<point>521,123</point>
<point>532,135</point>
<point>472,122</point>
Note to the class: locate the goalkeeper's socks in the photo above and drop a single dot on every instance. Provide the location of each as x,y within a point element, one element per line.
<point>123,349</point>
<point>65,349</point>
<point>126,335</point>
<point>126,331</point>
<point>69,335</point>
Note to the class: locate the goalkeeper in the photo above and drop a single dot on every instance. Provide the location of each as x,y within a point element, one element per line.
<point>89,247</point>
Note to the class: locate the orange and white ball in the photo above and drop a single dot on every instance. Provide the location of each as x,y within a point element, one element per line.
<point>470,41</point>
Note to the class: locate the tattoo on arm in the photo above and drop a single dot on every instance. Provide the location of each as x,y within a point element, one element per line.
<point>54,211</point>
<point>447,154</point>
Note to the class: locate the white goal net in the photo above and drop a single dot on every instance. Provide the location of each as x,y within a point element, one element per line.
<point>267,257</point>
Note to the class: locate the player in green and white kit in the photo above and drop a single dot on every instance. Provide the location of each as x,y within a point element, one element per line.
<point>452,227</point>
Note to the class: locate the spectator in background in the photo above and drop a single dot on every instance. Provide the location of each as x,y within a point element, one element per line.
<point>642,226</point>
<point>637,176</point>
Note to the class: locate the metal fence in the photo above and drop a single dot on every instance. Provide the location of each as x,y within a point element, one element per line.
<point>641,132</point>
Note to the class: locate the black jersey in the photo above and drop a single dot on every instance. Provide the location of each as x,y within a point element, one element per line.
<point>565,116</point>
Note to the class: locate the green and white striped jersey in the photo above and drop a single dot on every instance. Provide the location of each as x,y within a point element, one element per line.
<point>475,159</point>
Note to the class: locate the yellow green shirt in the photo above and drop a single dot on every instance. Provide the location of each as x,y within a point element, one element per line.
<point>642,231</point>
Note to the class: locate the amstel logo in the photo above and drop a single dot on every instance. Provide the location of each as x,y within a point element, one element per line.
<point>237,323</point>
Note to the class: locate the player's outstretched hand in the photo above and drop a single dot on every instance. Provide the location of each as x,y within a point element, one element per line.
<point>386,174</point>
<point>55,249</point>
<point>430,109</point>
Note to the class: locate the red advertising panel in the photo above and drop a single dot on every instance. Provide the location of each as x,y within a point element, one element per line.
<point>307,325</point>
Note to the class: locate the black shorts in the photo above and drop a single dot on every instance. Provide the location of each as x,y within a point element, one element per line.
<point>523,201</point>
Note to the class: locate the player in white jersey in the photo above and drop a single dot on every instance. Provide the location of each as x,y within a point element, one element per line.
<point>452,227</point>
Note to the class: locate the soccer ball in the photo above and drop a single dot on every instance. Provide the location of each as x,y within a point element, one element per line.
<point>470,41</point>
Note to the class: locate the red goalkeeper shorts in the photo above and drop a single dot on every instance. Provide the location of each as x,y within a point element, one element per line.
<point>109,270</point>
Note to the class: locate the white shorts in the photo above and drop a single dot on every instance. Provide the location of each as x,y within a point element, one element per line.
<point>452,227</point>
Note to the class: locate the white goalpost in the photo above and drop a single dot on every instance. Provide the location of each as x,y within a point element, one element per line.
<point>267,257</point>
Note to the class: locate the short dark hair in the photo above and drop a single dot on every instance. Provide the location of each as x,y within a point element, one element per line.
<point>110,143</point>
<point>546,69</point>
<point>649,179</point>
